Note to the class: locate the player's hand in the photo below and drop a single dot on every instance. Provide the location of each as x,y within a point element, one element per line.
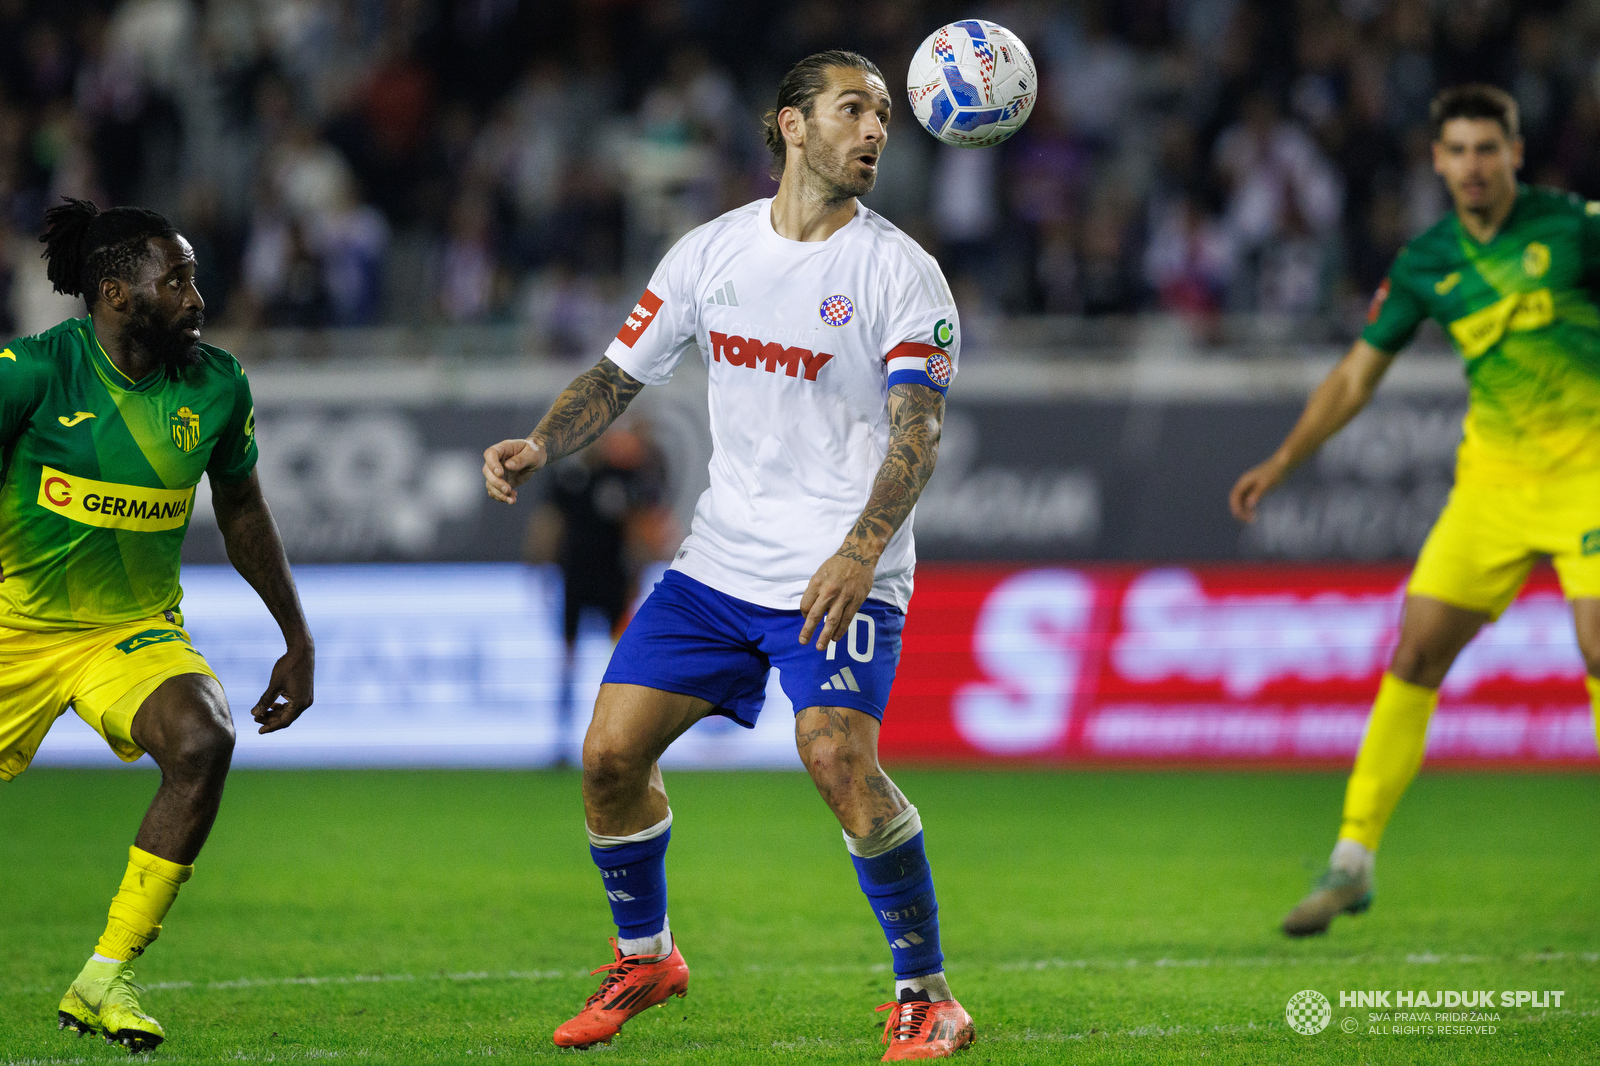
<point>836,593</point>
<point>288,691</point>
<point>508,464</point>
<point>1254,484</point>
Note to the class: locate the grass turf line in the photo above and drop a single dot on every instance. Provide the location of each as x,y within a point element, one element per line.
<point>1098,917</point>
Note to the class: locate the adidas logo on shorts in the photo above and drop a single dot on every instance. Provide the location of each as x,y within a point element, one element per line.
<point>841,681</point>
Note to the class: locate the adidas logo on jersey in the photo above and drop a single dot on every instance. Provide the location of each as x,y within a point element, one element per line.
<point>751,352</point>
<point>724,296</point>
<point>907,940</point>
<point>616,895</point>
<point>841,681</point>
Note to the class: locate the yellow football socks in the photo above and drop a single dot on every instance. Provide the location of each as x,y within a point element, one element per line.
<point>1390,755</point>
<point>147,891</point>
<point>1593,684</point>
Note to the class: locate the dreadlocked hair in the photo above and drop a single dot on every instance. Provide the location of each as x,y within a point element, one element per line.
<point>83,244</point>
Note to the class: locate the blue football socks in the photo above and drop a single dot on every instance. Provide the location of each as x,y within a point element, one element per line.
<point>634,872</point>
<point>899,884</point>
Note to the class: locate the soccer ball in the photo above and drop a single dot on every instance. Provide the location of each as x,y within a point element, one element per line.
<point>972,84</point>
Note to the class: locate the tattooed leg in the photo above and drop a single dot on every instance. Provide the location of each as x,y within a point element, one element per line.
<point>839,747</point>
<point>883,834</point>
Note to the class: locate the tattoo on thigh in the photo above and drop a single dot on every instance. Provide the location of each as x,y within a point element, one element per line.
<point>836,724</point>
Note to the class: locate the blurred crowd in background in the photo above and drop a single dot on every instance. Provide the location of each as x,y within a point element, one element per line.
<point>367,162</point>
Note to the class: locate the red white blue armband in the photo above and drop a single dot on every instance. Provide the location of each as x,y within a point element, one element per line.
<point>912,363</point>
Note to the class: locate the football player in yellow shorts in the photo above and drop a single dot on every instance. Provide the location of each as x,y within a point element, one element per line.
<point>106,425</point>
<point>1508,276</point>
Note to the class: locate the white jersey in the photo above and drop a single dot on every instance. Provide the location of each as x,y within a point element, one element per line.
<point>801,341</point>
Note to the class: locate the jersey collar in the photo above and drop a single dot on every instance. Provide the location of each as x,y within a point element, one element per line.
<point>1505,223</point>
<point>111,372</point>
<point>773,239</point>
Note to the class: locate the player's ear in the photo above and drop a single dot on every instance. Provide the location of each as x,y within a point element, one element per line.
<point>792,124</point>
<point>114,293</point>
<point>1516,153</point>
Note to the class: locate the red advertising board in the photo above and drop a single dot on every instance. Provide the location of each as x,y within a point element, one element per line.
<point>1270,665</point>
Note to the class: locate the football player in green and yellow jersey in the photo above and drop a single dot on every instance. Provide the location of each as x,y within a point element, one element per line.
<point>1508,274</point>
<point>107,424</point>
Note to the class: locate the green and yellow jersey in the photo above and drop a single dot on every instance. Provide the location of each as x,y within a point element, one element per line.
<point>99,473</point>
<point>1520,312</point>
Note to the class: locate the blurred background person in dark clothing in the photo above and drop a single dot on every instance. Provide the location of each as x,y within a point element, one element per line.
<point>603,521</point>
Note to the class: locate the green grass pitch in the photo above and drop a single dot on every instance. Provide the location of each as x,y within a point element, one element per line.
<point>433,917</point>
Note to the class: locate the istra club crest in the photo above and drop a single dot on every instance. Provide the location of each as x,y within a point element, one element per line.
<point>185,429</point>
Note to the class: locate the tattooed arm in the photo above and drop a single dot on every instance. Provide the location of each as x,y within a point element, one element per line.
<point>574,421</point>
<point>842,583</point>
<point>256,551</point>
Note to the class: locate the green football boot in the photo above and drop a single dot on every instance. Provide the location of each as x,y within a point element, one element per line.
<point>103,999</point>
<point>1336,892</point>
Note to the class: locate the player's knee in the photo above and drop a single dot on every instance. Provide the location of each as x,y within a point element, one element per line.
<point>206,745</point>
<point>187,729</point>
<point>610,766</point>
<point>200,741</point>
<point>832,764</point>
<point>1421,662</point>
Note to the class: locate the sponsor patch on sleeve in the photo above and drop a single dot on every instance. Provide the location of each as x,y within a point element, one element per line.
<point>911,363</point>
<point>644,312</point>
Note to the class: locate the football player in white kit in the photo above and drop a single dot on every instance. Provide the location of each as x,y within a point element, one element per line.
<point>829,338</point>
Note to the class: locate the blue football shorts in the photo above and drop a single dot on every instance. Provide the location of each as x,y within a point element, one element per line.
<point>687,637</point>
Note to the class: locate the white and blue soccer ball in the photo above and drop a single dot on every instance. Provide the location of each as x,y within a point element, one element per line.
<point>972,84</point>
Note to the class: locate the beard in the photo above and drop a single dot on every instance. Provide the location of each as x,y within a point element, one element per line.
<point>164,340</point>
<point>836,176</point>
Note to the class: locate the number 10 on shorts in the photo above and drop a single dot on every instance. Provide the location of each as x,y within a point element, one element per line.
<point>859,647</point>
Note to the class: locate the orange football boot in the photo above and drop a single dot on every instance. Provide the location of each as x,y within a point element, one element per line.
<point>917,1029</point>
<point>631,985</point>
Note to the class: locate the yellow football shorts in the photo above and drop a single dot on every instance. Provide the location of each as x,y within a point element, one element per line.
<point>1489,536</point>
<point>105,674</point>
